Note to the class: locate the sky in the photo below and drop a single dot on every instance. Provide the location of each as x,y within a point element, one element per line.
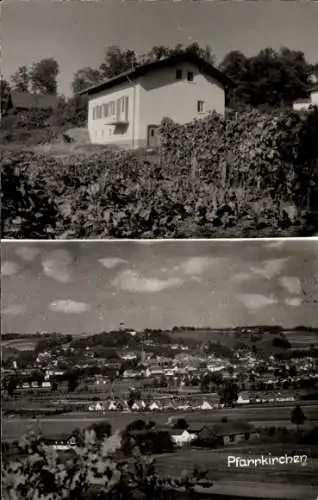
<point>76,32</point>
<point>89,287</point>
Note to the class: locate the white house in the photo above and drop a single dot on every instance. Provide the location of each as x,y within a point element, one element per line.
<point>127,110</point>
<point>154,406</point>
<point>112,406</point>
<point>243,398</point>
<point>205,406</point>
<point>301,104</point>
<point>182,437</point>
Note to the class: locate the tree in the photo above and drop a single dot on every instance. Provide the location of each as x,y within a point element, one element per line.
<point>204,53</point>
<point>21,79</point>
<point>297,416</point>
<point>117,61</point>
<point>85,78</point>
<point>102,429</point>
<point>4,96</point>
<point>282,343</point>
<point>72,380</point>
<point>156,53</point>
<point>270,79</point>
<point>229,394</point>
<point>11,386</point>
<point>136,425</point>
<point>54,386</point>
<point>43,76</point>
<point>180,423</point>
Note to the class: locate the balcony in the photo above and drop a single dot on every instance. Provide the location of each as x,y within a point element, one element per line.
<point>117,121</point>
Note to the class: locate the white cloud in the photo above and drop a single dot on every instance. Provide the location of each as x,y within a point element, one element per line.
<point>133,282</point>
<point>241,277</point>
<point>293,301</point>
<point>27,253</point>
<point>57,265</point>
<point>110,263</point>
<point>14,310</point>
<point>291,284</point>
<point>256,301</point>
<point>68,306</point>
<point>275,244</point>
<point>270,268</point>
<point>196,265</point>
<point>8,268</point>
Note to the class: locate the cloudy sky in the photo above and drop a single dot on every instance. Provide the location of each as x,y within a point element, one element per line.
<point>88,287</point>
<point>76,32</point>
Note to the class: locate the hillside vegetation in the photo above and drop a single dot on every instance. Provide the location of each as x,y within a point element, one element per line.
<point>251,174</point>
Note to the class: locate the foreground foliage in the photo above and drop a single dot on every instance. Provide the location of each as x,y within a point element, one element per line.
<point>250,174</point>
<point>91,473</point>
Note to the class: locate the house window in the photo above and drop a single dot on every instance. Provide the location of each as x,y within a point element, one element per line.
<point>105,108</point>
<point>190,76</point>
<point>179,74</point>
<point>123,100</point>
<point>232,438</point>
<point>200,106</point>
<point>94,113</point>
<point>112,108</point>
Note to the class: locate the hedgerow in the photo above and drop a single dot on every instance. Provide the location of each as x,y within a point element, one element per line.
<point>92,472</point>
<point>250,175</point>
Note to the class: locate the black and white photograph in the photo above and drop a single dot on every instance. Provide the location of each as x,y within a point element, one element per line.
<point>159,119</point>
<point>153,370</point>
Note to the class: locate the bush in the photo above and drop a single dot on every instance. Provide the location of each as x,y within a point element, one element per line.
<point>255,176</point>
<point>92,472</point>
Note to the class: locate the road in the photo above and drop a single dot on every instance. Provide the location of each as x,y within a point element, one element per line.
<point>13,428</point>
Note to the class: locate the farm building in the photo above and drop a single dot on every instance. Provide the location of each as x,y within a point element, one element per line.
<point>234,432</point>
<point>18,102</point>
<point>127,110</point>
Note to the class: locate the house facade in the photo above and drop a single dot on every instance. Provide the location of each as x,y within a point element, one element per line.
<point>128,109</point>
<point>301,104</point>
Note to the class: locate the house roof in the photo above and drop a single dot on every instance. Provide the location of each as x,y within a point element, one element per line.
<point>304,100</point>
<point>232,428</point>
<point>58,437</point>
<point>203,66</point>
<point>171,430</point>
<point>26,100</point>
<point>195,429</point>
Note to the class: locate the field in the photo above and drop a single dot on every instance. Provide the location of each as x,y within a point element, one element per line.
<point>13,428</point>
<point>216,462</point>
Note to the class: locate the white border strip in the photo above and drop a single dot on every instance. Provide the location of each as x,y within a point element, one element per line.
<point>159,240</point>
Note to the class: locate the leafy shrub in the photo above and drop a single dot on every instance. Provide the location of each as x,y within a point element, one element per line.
<point>28,210</point>
<point>253,175</point>
<point>92,472</point>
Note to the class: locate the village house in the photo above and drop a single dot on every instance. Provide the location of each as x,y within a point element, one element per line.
<point>19,102</point>
<point>234,432</point>
<point>61,441</point>
<point>312,100</point>
<point>180,437</point>
<point>127,110</point>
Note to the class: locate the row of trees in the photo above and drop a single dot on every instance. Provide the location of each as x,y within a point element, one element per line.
<point>268,79</point>
<point>40,77</point>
